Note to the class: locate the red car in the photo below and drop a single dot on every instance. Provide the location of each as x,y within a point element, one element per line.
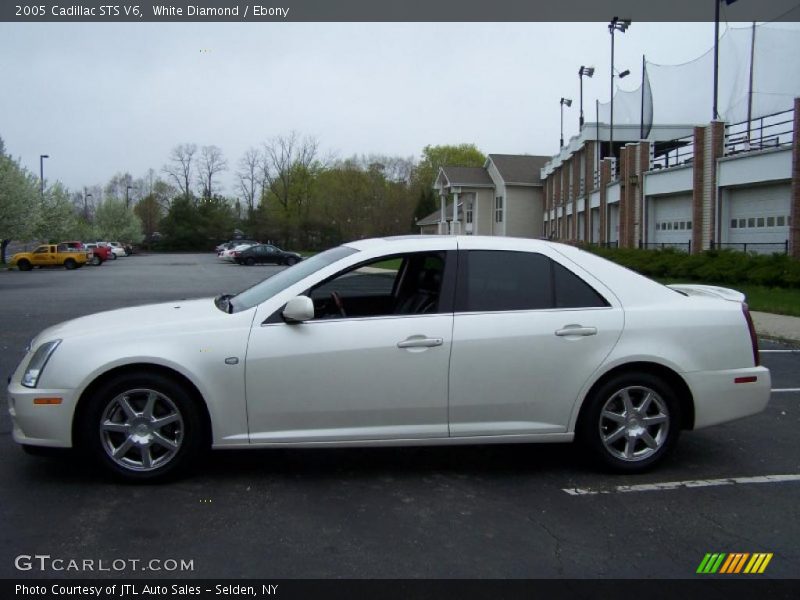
<point>100,254</point>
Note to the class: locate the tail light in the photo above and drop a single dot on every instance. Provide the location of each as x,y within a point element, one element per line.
<point>752,329</point>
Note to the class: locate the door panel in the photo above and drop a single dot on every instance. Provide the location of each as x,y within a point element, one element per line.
<point>521,372</point>
<point>347,379</point>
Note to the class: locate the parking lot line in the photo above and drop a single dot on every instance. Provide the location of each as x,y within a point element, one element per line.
<point>676,485</point>
<point>779,351</point>
<point>784,390</point>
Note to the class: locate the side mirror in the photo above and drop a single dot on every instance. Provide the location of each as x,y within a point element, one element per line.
<point>298,309</point>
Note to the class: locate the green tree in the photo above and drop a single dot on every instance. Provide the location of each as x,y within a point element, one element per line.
<point>19,202</point>
<point>181,225</point>
<point>116,222</point>
<point>150,213</point>
<point>433,157</point>
<point>58,220</point>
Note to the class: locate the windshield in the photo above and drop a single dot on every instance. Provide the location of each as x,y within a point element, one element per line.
<point>269,287</point>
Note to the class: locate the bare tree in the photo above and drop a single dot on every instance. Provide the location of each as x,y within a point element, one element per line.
<point>180,164</point>
<point>249,179</point>
<point>211,163</point>
<point>117,186</point>
<point>286,165</point>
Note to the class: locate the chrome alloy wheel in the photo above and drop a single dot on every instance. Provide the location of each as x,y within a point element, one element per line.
<point>141,430</point>
<point>634,423</point>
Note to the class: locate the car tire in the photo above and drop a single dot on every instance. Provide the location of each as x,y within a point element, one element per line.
<point>249,261</point>
<point>112,255</point>
<point>142,427</point>
<point>631,422</point>
<point>96,260</point>
<point>24,265</point>
<point>290,261</point>
<point>70,264</point>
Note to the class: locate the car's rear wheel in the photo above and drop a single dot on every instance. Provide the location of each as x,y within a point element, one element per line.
<point>142,427</point>
<point>631,422</point>
<point>24,265</point>
<point>70,264</point>
<point>113,255</point>
<point>249,261</point>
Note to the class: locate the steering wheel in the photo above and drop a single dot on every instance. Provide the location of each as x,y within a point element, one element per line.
<point>338,301</point>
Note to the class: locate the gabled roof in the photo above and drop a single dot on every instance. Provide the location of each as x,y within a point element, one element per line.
<point>520,169</point>
<point>433,218</point>
<point>466,176</point>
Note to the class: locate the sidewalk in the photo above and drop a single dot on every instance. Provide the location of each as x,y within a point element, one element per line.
<point>777,326</point>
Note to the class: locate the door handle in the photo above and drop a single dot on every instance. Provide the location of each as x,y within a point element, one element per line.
<point>420,342</point>
<point>576,330</point>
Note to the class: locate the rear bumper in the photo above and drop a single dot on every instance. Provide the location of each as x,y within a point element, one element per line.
<point>718,397</point>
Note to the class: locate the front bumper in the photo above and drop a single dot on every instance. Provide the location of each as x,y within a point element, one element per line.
<point>47,425</point>
<point>718,397</point>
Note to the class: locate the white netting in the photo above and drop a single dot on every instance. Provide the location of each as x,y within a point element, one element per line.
<point>683,94</point>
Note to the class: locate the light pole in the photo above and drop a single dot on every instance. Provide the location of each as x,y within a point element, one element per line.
<point>562,102</point>
<point>86,205</point>
<point>41,172</point>
<point>127,196</point>
<point>588,72</point>
<point>620,25</point>
<point>715,113</point>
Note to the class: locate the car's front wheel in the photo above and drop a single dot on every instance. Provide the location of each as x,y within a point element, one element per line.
<point>631,422</point>
<point>96,260</point>
<point>290,261</point>
<point>142,427</point>
<point>249,261</point>
<point>24,265</point>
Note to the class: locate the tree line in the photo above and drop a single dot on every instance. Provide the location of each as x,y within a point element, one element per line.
<point>287,192</point>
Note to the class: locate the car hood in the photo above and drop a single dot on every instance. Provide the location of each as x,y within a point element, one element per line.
<point>164,317</point>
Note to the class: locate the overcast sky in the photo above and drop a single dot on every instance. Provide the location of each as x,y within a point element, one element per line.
<point>105,98</point>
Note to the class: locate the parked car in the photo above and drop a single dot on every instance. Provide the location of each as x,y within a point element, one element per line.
<point>116,248</point>
<point>233,243</point>
<point>266,253</point>
<point>99,254</point>
<point>410,340</point>
<point>50,255</point>
<point>228,255</point>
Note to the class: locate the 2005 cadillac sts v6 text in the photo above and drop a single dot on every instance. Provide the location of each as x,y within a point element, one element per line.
<point>412,340</point>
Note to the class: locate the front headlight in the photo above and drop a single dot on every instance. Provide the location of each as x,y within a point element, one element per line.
<point>36,365</point>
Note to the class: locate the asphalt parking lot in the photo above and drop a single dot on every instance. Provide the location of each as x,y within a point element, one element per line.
<point>511,511</point>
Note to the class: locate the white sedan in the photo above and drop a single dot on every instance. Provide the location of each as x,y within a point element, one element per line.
<point>411,340</point>
<point>229,254</point>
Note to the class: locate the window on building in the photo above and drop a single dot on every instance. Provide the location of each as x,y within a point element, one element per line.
<point>469,213</point>
<point>780,221</point>
<point>682,225</point>
<point>751,222</point>
<point>734,222</point>
<point>742,223</point>
<point>498,209</point>
<point>760,221</point>
<point>770,221</point>
<point>688,224</point>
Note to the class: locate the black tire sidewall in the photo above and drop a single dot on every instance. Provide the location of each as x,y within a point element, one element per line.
<point>70,264</point>
<point>588,427</point>
<point>90,443</point>
<point>249,261</point>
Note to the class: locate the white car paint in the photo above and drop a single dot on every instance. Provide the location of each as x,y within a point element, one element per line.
<point>493,377</point>
<point>228,255</point>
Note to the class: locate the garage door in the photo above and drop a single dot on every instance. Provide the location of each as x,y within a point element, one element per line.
<point>671,219</point>
<point>758,214</point>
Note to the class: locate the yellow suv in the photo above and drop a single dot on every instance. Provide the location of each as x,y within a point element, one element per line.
<point>49,255</point>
